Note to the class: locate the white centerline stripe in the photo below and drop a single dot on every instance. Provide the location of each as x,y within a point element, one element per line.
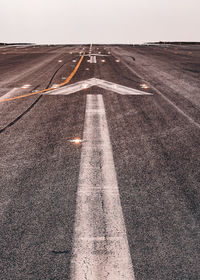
<point>101,248</point>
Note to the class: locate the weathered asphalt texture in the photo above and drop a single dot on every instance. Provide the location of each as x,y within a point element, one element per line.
<point>155,143</point>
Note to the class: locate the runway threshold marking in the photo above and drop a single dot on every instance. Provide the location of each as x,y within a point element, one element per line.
<point>101,249</point>
<point>48,89</point>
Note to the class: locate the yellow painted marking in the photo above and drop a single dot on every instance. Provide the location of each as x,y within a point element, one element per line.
<point>48,89</point>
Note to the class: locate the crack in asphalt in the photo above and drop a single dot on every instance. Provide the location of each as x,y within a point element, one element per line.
<point>60,252</point>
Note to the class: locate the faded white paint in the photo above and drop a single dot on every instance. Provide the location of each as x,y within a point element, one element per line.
<point>96,54</point>
<point>93,59</point>
<point>11,93</point>
<point>100,83</point>
<point>101,250</point>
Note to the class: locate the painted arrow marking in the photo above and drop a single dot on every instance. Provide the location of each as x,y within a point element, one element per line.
<point>123,90</point>
<point>100,245</point>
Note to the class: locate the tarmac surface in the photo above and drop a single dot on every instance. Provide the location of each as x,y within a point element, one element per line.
<point>155,143</point>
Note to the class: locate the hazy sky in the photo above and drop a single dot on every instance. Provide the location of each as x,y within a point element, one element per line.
<point>95,21</point>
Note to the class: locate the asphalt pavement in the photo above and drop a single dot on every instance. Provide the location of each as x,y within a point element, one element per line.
<point>156,158</point>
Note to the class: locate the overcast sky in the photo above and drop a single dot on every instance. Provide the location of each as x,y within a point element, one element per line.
<point>95,21</point>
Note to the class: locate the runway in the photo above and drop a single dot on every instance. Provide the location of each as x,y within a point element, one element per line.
<point>124,201</point>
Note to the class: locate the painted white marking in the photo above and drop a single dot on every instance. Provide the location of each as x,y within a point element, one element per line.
<point>10,94</point>
<point>93,59</point>
<point>55,85</point>
<point>84,86</point>
<point>96,54</point>
<point>90,50</point>
<point>101,250</point>
<point>100,83</point>
<point>26,86</point>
